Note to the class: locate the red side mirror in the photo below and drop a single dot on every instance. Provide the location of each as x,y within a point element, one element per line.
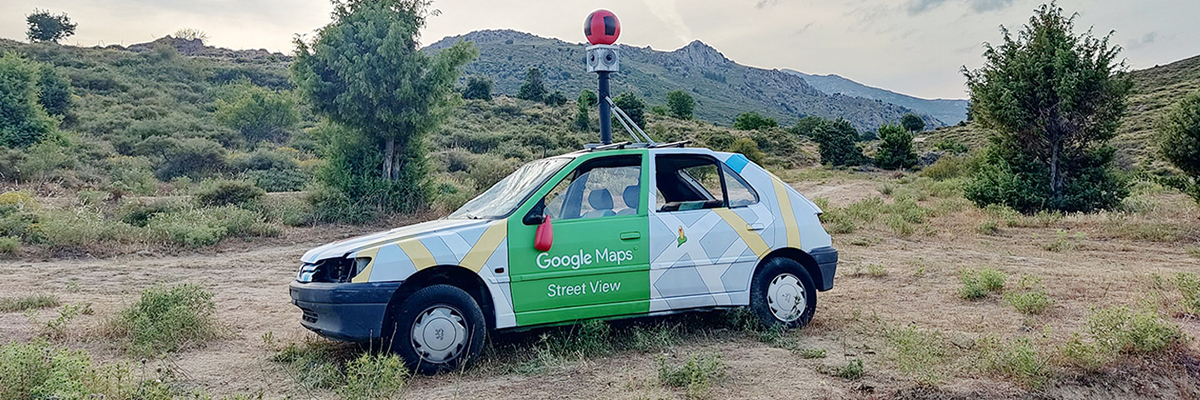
<point>544,238</point>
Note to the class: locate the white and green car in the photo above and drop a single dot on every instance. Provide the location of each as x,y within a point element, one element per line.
<point>628,230</point>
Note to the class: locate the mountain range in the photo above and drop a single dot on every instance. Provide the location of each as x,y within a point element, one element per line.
<point>722,88</point>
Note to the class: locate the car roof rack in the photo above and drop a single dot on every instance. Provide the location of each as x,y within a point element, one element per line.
<point>615,146</point>
<point>679,144</point>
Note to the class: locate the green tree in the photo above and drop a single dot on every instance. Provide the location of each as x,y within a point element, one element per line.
<point>912,122</point>
<point>633,106</point>
<point>56,90</point>
<point>1180,140</point>
<point>23,121</point>
<point>1054,98</point>
<point>807,125</point>
<point>364,71</point>
<point>46,27</point>
<point>681,104</point>
<point>583,115</point>
<point>555,99</point>
<point>749,121</point>
<point>478,87</point>
<point>836,143</point>
<point>257,112</point>
<point>896,151</point>
<point>534,88</point>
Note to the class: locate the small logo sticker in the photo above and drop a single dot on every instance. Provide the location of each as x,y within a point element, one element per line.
<point>681,239</point>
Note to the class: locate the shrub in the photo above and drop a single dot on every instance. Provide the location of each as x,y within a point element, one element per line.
<point>10,244</point>
<point>751,120</point>
<point>896,150</point>
<point>1018,181</point>
<point>1031,297</point>
<point>654,338</point>
<point>1180,131</point>
<point>555,99</point>
<point>948,167</point>
<point>138,213</point>
<point>1189,284</point>
<point>166,319</point>
<point>80,228</point>
<point>697,375</point>
<point>374,376</point>
<point>279,180</point>
<point>478,87</point>
<point>25,122</point>
<point>852,371</point>
<point>836,142</point>
<point>31,302</point>
<point>314,363</point>
<point>193,158</point>
<point>198,227</point>
<point>919,353</point>
<point>978,283</point>
<point>1116,330</point>
<point>35,370</point>
<point>257,112</point>
<point>749,148</point>
<point>132,175</point>
<point>226,192</point>
<point>1018,359</point>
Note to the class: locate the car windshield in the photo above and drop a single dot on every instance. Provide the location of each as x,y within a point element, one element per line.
<point>506,195</point>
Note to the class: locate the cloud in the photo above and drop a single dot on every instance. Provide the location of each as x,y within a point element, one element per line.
<point>765,3</point>
<point>979,6</point>
<point>1144,41</point>
<point>666,11</point>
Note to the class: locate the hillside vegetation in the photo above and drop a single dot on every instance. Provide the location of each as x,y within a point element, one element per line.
<point>1155,90</point>
<point>722,88</point>
<point>949,112</point>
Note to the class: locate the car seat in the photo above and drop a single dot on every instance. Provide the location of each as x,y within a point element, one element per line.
<point>602,204</point>
<point>630,195</point>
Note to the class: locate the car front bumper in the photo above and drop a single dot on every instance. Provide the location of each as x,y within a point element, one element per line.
<point>343,311</point>
<point>826,258</point>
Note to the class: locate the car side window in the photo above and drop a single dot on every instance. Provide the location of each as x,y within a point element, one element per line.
<point>740,193</point>
<point>688,182</point>
<point>604,187</point>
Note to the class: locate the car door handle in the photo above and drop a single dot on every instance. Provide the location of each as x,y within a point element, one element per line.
<point>631,235</point>
<point>755,227</point>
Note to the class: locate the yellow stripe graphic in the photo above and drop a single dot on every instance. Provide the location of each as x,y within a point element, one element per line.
<point>416,251</point>
<point>789,216</point>
<point>485,246</point>
<point>365,274</point>
<point>755,242</point>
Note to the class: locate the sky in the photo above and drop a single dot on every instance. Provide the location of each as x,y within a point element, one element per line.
<point>916,47</point>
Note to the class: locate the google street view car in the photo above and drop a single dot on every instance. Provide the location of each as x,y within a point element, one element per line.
<point>621,230</point>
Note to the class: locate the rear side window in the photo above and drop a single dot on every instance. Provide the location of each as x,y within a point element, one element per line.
<point>692,182</point>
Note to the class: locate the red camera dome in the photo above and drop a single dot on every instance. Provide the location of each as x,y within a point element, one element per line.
<point>602,27</point>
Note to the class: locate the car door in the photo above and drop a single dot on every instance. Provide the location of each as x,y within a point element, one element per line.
<point>598,264</point>
<point>700,256</point>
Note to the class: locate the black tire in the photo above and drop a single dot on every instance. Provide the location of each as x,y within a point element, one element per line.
<point>439,308</point>
<point>761,305</point>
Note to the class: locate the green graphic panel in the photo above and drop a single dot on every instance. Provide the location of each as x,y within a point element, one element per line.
<point>597,267</point>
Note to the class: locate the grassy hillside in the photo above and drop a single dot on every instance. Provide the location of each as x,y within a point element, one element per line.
<point>949,112</point>
<point>1155,90</point>
<point>722,88</point>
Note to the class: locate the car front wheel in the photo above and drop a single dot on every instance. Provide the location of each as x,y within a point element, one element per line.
<point>782,294</point>
<point>438,328</point>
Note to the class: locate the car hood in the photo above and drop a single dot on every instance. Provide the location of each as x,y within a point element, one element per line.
<point>342,248</point>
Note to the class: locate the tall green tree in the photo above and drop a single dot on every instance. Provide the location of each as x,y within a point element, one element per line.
<point>478,87</point>
<point>632,105</point>
<point>836,142</point>
<point>896,150</point>
<point>752,120</point>
<point>912,122</point>
<point>23,120</point>
<point>364,71</point>
<point>1180,141</point>
<point>47,27</point>
<point>534,88</point>
<point>681,104</point>
<point>56,90</point>
<point>257,112</point>
<point>583,108</point>
<point>1055,98</point>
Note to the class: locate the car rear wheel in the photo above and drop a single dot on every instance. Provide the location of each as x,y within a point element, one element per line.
<point>438,328</point>
<point>782,294</point>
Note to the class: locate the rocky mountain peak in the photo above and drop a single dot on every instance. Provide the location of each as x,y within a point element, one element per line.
<point>702,55</point>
